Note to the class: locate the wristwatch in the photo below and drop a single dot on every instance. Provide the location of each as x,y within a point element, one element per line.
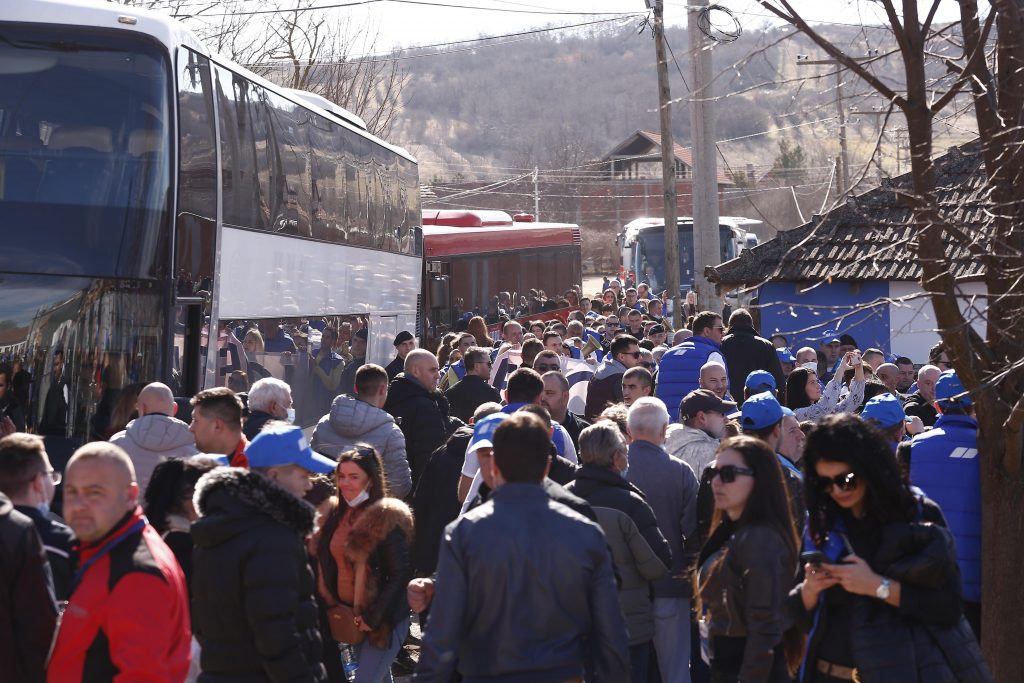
<point>882,592</point>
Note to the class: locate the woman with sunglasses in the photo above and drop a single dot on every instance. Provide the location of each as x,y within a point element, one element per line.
<point>880,588</point>
<point>363,556</point>
<point>746,568</point>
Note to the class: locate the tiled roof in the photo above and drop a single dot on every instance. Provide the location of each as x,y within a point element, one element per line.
<point>870,236</point>
<point>681,153</point>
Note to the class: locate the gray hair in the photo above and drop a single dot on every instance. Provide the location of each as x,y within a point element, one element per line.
<point>647,415</point>
<point>927,369</point>
<point>557,376</point>
<point>599,443</point>
<point>266,391</point>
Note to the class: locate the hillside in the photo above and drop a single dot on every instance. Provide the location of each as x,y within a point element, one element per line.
<point>558,100</point>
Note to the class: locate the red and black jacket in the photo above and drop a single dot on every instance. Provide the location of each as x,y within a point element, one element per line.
<point>128,617</point>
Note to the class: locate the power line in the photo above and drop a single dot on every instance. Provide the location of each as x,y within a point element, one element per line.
<point>521,35</point>
<point>356,3</point>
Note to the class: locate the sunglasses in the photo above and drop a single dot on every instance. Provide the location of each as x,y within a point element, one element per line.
<point>635,354</point>
<point>728,473</point>
<point>846,482</point>
<point>649,366</point>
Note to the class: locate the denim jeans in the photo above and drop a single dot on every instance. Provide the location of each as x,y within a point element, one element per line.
<point>375,663</point>
<point>672,638</point>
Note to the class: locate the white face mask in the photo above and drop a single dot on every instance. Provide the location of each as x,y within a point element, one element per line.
<point>291,415</point>
<point>363,496</point>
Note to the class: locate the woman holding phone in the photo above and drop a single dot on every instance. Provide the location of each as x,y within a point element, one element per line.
<point>880,591</point>
<point>747,566</point>
<point>805,397</point>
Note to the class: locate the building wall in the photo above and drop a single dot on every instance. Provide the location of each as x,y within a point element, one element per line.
<point>805,315</point>
<point>912,317</point>
<point>904,327</point>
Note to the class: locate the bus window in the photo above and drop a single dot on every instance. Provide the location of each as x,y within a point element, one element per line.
<point>84,153</point>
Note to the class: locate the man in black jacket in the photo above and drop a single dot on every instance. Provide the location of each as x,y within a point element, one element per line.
<point>745,352</point>
<point>254,612</point>
<point>473,390</point>
<point>420,410</point>
<point>28,613</point>
<point>28,479</point>
<point>404,343</point>
<point>536,577</point>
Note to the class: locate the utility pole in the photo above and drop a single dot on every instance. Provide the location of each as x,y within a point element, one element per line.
<point>706,240</point>
<point>668,167</point>
<point>804,60</point>
<point>536,196</point>
<point>878,114</point>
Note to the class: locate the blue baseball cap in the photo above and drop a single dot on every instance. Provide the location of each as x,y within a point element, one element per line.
<point>286,445</point>
<point>785,356</point>
<point>886,410</point>
<point>949,386</point>
<point>762,411</point>
<point>762,380</point>
<point>483,432</point>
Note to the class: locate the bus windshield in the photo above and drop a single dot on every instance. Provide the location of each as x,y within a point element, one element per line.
<point>84,152</point>
<point>650,255</point>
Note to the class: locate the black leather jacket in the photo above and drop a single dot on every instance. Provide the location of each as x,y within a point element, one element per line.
<point>746,572</point>
<point>524,594</point>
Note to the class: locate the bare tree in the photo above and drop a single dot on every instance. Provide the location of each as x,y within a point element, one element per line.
<point>323,56</point>
<point>992,369</point>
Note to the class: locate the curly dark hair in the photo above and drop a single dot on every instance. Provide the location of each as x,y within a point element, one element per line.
<point>848,439</point>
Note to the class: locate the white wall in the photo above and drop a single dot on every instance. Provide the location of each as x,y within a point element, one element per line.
<point>912,319</point>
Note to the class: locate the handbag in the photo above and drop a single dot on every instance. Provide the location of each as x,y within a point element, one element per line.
<point>342,617</point>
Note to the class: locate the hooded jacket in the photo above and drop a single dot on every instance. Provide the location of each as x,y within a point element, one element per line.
<point>150,439</point>
<point>693,446</point>
<point>352,422</point>
<point>253,608</point>
<point>26,598</point>
<point>605,387</point>
<point>641,554</point>
<point>423,417</point>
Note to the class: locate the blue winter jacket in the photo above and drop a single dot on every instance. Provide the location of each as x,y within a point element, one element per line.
<point>944,463</point>
<point>679,371</point>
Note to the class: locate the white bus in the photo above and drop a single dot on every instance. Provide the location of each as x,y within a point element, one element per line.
<point>154,195</point>
<point>642,244</point>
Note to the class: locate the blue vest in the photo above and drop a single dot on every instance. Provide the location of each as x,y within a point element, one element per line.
<point>679,370</point>
<point>945,464</point>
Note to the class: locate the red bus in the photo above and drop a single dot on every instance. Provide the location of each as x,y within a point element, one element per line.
<point>470,256</point>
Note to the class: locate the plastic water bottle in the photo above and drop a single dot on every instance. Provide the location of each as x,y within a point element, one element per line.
<point>348,662</point>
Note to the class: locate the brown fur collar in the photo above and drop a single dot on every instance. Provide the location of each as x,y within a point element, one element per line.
<point>373,526</point>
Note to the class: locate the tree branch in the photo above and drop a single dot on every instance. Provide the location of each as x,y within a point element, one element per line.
<point>1013,426</point>
<point>978,53</point>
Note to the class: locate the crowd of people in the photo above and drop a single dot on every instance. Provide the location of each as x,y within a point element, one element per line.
<point>716,509</point>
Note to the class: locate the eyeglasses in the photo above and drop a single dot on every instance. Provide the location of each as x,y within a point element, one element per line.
<point>635,354</point>
<point>728,473</point>
<point>846,482</point>
<point>611,324</point>
<point>718,327</point>
<point>53,476</point>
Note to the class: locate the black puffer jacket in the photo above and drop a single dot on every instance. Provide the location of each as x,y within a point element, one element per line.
<point>253,610</point>
<point>422,416</point>
<point>927,638</point>
<point>436,500</point>
<point>745,352</point>
<point>641,554</point>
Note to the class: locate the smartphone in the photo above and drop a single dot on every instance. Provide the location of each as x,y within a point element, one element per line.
<point>856,360</point>
<point>814,557</point>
